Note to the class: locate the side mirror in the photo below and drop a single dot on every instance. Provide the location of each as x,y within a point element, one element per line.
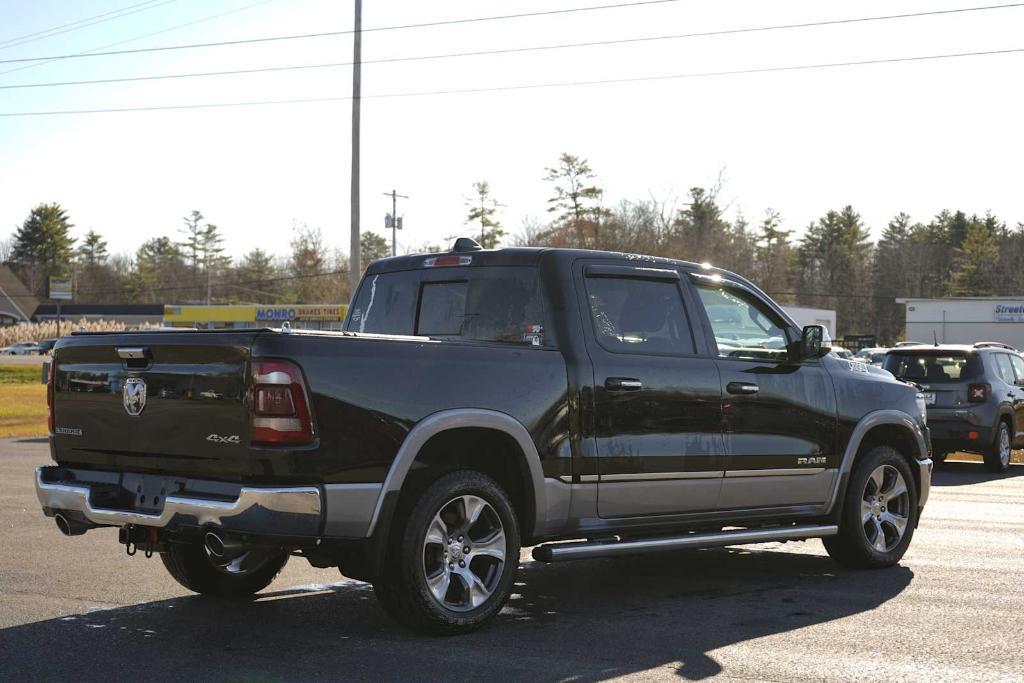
<point>814,342</point>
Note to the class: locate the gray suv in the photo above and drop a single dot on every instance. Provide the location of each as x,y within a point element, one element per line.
<point>974,396</point>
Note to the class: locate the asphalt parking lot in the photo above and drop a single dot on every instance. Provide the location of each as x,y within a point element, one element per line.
<point>80,609</point>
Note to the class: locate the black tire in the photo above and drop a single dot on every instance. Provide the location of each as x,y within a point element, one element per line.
<point>993,455</point>
<point>853,546</point>
<point>193,568</point>
<point>402,587</point>
<point>939,458</point>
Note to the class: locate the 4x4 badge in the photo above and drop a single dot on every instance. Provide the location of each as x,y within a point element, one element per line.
<point>133,395</point>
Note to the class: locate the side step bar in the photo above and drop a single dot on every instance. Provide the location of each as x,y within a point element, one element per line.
<point>559,552</point>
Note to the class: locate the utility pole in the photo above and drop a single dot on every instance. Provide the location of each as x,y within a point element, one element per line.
<point>357,48</point>
<point>395,224</point>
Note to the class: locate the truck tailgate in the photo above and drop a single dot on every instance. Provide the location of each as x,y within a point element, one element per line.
<point>161,402</point>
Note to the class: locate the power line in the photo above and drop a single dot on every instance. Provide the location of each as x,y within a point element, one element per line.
<point>512,50</point>
<point>328,34</point>
<point>528,86</point>
<point>83,23</point>
<point>93,52</point>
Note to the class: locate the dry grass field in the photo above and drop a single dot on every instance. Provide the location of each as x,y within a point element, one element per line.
<point>23,409</point>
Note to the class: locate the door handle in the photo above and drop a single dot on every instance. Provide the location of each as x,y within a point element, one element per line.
<point>623,384</point>
<point>742,388</point>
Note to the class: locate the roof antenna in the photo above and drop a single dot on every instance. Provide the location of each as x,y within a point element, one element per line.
<point>935,337</point>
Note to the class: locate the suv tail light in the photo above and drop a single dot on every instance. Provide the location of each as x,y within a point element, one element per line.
<point>279,405</point>
<point>51,378</point>
<point>977,393</point>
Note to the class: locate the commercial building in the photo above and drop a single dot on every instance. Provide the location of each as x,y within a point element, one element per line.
<point>299,316</point>
<point>803,316</point>
<point>965,320</point>
<point>16,301</point>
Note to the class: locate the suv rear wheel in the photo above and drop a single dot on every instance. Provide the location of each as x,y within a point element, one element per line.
<point>997,456</point>
<point>879,513</point>
<point>453,557</point>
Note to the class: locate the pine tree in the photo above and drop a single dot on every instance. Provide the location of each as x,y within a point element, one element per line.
<point>576,202</point>
<point>191,246</point>
<point>975,262</point>
<point>372,247</point>
<point>93,250</point>
<point>42,246</point>
<point>482,210</point>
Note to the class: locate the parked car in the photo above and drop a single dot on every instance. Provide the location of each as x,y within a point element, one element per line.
<point>974,394</point>
<point>872,356</point>
<point>476,402</point>
<point>20,349</point>
<point>845,354</point>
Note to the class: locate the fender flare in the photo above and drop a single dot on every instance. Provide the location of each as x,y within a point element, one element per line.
<point>456,419</point>
<point>874,419</point>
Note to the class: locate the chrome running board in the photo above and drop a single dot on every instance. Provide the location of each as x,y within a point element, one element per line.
<point>559,552</point>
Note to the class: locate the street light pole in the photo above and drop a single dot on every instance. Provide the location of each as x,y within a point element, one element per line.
<point>354,270</point>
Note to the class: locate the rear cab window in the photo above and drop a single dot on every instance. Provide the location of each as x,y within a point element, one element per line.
<point>486,303</point>
<point>934,367</point>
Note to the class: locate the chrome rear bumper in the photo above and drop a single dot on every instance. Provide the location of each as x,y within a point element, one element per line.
<point>294,511</point>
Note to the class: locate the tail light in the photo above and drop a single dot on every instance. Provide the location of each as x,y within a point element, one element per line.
<point>977,393</point>
<point>51,378</point>
<point>279,405</point>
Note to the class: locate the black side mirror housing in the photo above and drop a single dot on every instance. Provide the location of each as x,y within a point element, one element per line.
<point>814,342</point>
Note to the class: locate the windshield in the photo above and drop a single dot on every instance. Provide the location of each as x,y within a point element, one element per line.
<point>933,367</point>
<point>500,304</point>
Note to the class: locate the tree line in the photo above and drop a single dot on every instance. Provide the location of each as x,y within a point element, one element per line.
<point>832,263</point>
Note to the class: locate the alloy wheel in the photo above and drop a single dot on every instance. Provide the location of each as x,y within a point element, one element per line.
<point>885,508</point>
<point>1004,445</point>
<point>464,553</point>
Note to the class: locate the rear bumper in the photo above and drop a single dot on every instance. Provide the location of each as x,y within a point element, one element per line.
<point>289,512</point>
<point>954,435</point>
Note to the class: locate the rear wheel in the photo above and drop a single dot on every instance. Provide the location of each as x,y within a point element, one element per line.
<point>997,456</point>
<point>192,565</point>
<point>453,557</point>
<point>939,458</point>
<point>879,513</point>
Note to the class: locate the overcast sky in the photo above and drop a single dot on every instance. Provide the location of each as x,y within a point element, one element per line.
<point>914,137</point>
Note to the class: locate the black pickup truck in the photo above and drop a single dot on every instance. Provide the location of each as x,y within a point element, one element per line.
<point>587,403</point>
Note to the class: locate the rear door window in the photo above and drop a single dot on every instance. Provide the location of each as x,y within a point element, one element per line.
<point>1004,368</point>
<point>635,315</point>
<point>498,304</point>
<point>1018,367</point>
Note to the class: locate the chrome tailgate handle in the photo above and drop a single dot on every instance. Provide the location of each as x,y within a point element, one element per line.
<point>132,352</point>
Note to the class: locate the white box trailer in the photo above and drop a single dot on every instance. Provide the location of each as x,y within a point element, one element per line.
<point>804,315</point>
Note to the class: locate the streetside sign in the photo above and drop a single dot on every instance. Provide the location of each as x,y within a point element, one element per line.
<point>61,288</point>
<point>1009,313</point>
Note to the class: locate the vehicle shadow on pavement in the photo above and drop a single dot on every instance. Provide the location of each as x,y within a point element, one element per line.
<point>585,621</point>
<point>967,473</point>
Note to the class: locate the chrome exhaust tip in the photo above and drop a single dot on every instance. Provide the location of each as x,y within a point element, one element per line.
<point>222,548</point>
<point>69,527</point>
